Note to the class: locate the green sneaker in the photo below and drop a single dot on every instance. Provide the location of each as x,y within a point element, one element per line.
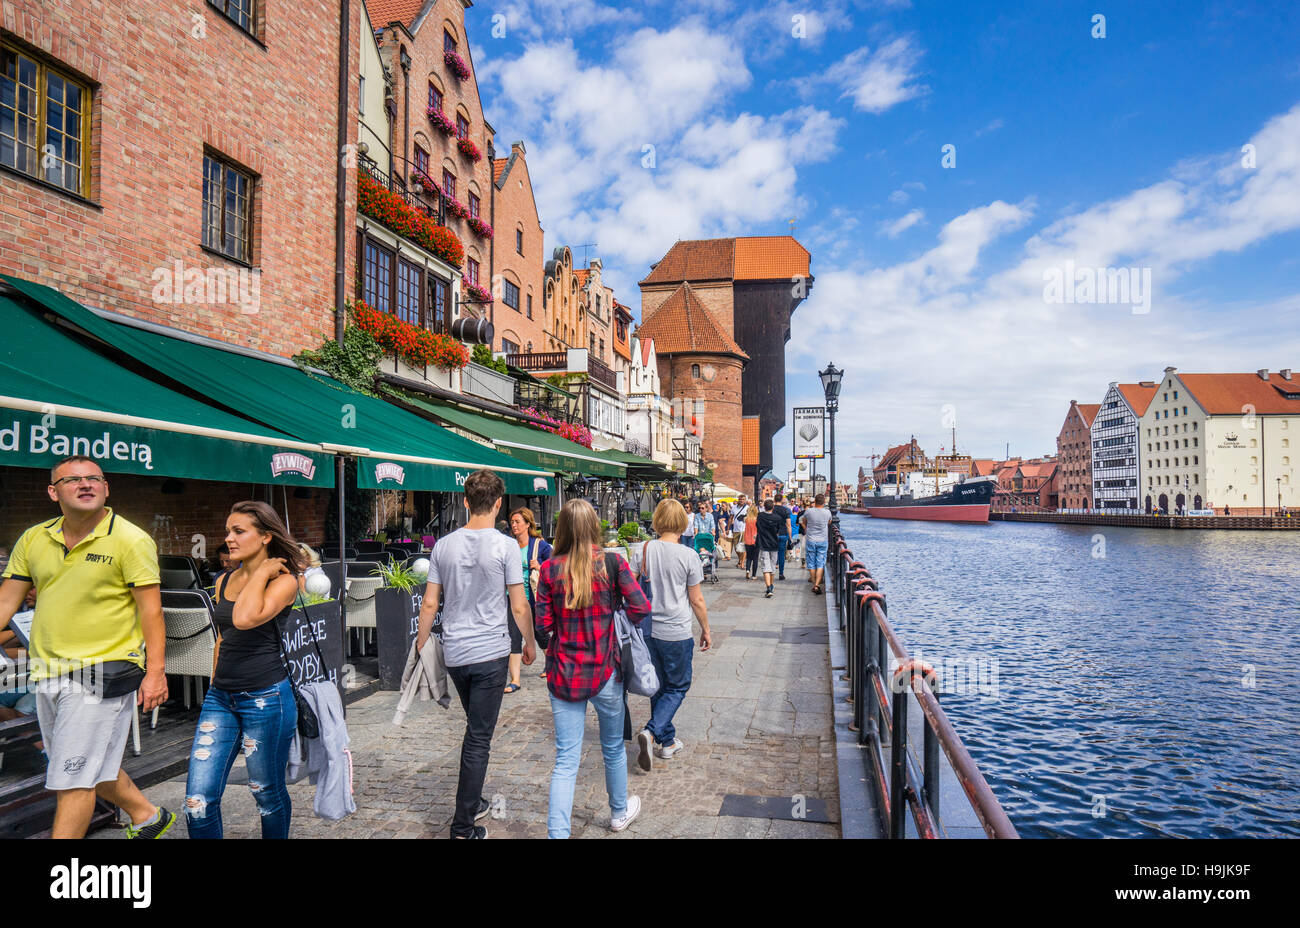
<point>159,828</point>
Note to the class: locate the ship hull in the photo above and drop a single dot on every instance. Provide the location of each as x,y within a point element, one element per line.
<point>966,502</point>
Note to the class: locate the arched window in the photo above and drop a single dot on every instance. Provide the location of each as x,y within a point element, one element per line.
<point>695,371</point>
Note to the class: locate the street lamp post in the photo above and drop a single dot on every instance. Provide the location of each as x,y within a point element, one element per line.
<point>831,386</point>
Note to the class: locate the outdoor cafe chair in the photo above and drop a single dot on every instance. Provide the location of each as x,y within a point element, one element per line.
<point>191,641</point>
<point>366,546</point>
<point>374,557</point>
<point>179,572</point>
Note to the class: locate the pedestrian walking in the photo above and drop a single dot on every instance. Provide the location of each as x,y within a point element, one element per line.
<point>675,578</point>
<point>476,573</point>
<point>577,596</point>
<point>817,522</point>
<point>784,514</point>
<point>736,526</point>
<point>769,537</point>
<point>751,542</point>
<point>250,704</point>
<point>96,646</point>
<point>534,550</point>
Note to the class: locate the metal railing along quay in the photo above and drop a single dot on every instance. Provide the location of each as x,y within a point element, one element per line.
<point>880,709</point>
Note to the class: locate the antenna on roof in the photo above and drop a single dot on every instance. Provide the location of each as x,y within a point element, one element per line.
<point>586,259</point>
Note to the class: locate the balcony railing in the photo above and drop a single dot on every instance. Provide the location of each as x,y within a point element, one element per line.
<point>601,374</point>
<point>540,360</point>
<point>415,196</point>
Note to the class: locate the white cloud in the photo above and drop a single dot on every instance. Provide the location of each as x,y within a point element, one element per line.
<point>900,225</point>
<point>880,79</point>
<point>994,126</point>
<point>901,195</point>
<point>944,328</point>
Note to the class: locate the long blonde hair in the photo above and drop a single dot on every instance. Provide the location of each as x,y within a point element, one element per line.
<point>576,536</point>
<point>751,515</point>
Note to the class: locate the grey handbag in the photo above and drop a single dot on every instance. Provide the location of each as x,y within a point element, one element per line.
<point>639,674</point>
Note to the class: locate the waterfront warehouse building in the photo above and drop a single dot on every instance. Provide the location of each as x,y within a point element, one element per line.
<point>1216,441</point>
<point>1074,452</point>
<point>1116,465</point>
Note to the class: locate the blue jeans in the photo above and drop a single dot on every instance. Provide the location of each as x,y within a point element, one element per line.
<point>672,660</point>
<point>570,721</point>
<point>782,541</point>
<point>262,723</point>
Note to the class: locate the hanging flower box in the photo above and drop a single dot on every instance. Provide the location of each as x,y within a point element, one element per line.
<point>476,292</point>
<point>575,432</point>
<point>424,182</point>
<point>413,344</point>
<point>442,121</point>
<point>381,204</point>
<point>456,65</point>
<point>479,227</point>
<point>457,208</point>
<point>469,149</point>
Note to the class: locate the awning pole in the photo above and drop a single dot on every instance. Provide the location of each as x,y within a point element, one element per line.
<point>340,477</point>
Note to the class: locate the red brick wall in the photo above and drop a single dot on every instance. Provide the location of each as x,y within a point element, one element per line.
<point>1074,472</point>
<point>167,85</point>
<point>411,123</point>
<point>516,209</point>
<point>720,420</point>
<point>200,509</point>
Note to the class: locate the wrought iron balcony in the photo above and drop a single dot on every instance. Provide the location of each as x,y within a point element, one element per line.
<point>431,204</point>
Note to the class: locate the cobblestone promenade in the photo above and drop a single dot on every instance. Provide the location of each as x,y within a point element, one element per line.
<point>756,723</point>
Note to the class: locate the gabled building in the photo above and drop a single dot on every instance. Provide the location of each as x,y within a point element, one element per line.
<point>700,368</point>
<point>1116,464</point>
<point>516,257</point>
<point>896,463</point>
<point>1222,441</point>
<point>1074,451</point>
<point>750,286</point>
<point>649,426</point>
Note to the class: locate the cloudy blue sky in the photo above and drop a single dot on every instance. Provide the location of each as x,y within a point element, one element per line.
<point>1117,151</point>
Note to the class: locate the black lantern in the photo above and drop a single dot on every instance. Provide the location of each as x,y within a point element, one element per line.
<point>831,386</point>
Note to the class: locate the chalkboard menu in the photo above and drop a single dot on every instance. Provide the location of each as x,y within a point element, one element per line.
<point>313,644</point>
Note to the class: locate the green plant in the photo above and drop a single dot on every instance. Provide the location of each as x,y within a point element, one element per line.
<point>399,576</point>
<point>629,532</point>
<point>312,599</point>
<point>482,355</point>
<point>352,363</point>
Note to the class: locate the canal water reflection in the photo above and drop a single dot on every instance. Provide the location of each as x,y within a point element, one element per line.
<point>1115,682</point>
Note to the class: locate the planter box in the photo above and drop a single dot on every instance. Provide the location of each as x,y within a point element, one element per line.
<point>488,384</point>
<point>313,644</point>
<point>431,374</point>
<point>397,617</point>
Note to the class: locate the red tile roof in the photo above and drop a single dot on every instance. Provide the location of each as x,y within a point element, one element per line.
<point>896,453</point>
<point>983,466</point>
<point>1138,395</point>
<point>1229,394</point>
<point>498,165</point>
<point>647,342</point>
<point>581,275</point>
<point>757,257</point>
<point>682,325</point>
<point>769,257</point>
<point>1089,412</point>
<point>383,12</point>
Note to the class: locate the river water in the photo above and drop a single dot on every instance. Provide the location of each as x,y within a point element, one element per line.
<point>1110,682</point>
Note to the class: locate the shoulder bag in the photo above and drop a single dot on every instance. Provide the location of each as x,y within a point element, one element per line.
<point>639,674</point>
<point>308,723</point>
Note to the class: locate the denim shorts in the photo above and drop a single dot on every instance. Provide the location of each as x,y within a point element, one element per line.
<point>815,551</point>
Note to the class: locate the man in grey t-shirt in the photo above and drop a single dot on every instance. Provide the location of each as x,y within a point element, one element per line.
<point>817,538</point>
<point>479,570</point>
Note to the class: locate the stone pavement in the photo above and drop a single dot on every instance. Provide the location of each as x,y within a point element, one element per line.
<point>757,722</point>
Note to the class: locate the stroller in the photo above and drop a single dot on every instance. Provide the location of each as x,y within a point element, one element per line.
<point>708,556</point>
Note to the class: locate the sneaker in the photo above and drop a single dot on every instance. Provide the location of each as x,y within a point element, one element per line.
<point>478,832</point>
<point>768,594</point>
<point>629,815</point>
<point>668,750</point>
<point>781,577</point>
<point>484,807</point>
<point>644,740</point>
<point>155,830</point>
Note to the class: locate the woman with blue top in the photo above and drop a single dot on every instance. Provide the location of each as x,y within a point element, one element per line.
<point>534,551</point>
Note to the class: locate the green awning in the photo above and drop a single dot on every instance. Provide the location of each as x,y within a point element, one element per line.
<point>545,449</point>
<point>638,466</point>
<point>395,449</point>
<point>61,397</point>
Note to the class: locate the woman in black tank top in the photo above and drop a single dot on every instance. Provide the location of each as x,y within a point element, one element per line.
<point>250,705</point>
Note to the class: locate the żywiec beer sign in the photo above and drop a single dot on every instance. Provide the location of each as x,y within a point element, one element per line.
<point>389,471</point>
<point>286,462</point>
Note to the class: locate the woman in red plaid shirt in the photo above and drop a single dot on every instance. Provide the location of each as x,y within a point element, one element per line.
<point>576,600</point>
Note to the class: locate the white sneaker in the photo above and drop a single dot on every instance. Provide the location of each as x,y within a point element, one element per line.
<point>644,742</point>
<point>629,814</point>
<point>668,750</point>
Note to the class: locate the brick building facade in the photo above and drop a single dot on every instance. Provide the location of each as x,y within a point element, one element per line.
<point>164,108</point>
<point>1074,452</point>
<point>518,315</point>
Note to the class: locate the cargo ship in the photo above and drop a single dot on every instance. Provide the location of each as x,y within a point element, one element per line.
<point>965,502</point>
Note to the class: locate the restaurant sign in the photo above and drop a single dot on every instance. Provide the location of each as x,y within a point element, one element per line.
<point>30,438</point>
<point>374,474</point>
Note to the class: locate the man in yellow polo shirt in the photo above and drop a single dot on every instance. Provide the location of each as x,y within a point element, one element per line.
<point>98,615</point>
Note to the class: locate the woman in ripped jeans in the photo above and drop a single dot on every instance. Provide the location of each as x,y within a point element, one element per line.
<point>250,705</point>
